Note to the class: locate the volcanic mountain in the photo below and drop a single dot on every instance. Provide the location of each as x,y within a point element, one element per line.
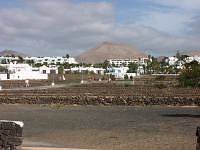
<point>108,50</point>
<point>11,53</point>
<point>191,53</point>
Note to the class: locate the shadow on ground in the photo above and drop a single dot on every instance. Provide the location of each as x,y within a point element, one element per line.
<point>181,115</point>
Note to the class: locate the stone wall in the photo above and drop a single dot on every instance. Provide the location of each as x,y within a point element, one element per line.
<point>102,100</point>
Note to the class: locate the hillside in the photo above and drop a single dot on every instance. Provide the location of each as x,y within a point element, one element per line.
<point>191,53</point>
<point>11,53</point>
<point>108,50</point>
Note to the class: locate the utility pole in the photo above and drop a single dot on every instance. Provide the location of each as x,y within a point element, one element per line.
<point>82,71</point>
<point>53,83</point>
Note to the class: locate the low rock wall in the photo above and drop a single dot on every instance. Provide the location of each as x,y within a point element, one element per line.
<point>102,100</point>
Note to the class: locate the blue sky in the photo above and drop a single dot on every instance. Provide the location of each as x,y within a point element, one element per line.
<point>49,27</point>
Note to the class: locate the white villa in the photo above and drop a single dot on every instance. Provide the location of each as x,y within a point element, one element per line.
<point>179,63</point>
<point>48,70</point>
<point>121,72</point>
<point>171,60</point>
<point>118,72</point>
<point>89,69</point>
<point>26,72</point>
<point>126,62</point>
<point>52,60</point>
<point>192,58</point>
<point>39,60</point>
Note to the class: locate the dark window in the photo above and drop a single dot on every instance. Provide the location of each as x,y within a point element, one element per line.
<point>52,71</point>
<point>44,71</point>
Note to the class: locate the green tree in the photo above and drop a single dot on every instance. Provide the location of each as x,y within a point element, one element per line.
<point>190,76</point>
<point>37,65</point>
<point>3,61</point>
<point>30,62</point>
<point>67,55</point>
<point>86,65</point>
<point>170,70</point>
<point>45,63</point>
<point>106,64</point>
<point>132,68</point>
<point>183,57</point>
<point>60,69</point>
<point>98,65</point>
<point>66,65</point>
<point>103,65</point>
<point>3,69</point>
<point>126,77</point>
<point>153,66</point>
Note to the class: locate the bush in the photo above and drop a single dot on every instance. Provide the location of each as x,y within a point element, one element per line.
<point>190,76</point>
<point>126,77</point>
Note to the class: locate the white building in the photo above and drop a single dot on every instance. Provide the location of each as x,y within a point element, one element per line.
<point>8,59</point>
<point>118,72</point>
<point>48,70</point>
<point>126,62</point>
<point>131,75</point>
<point>140,70</point>
<point>51,60</point>
<point>40,60</point>
<point>22,72</point>
<point>89,69</point>
<point>121,72</point>
<point>171,60</point>
<point>192,58</point>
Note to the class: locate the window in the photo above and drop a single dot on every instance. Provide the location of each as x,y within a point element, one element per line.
<point>44,71</point>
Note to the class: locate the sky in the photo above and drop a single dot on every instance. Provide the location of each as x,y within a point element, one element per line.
<point>60,27</point>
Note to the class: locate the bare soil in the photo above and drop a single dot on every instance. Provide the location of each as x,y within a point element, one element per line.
<point>106,128</point>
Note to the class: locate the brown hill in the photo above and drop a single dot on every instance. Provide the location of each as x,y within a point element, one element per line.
<point>11,53</point>
<point>109,50</point>
<point>192,53</point>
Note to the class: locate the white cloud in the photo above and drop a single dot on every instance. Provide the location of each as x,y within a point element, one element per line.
<point>55,28</point>
<point>51,25</point>
<point>169,22</point>
<point>182,4</point>
<point>154,42</point>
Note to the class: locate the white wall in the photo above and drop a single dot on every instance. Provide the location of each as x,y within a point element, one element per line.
<point>131,74</point>
<point>28,75</point>
<point>119,72</point>
<point>48,69</point>
<point>24,76</point>
<point>3,76</point>
<point>90,69</point>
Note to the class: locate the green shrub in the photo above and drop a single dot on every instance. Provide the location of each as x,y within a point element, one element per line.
<point>190,76</point>
<point>126,77</point>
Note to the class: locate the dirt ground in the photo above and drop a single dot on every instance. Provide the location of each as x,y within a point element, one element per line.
<point>48,148</point>
<point>106,128</point>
